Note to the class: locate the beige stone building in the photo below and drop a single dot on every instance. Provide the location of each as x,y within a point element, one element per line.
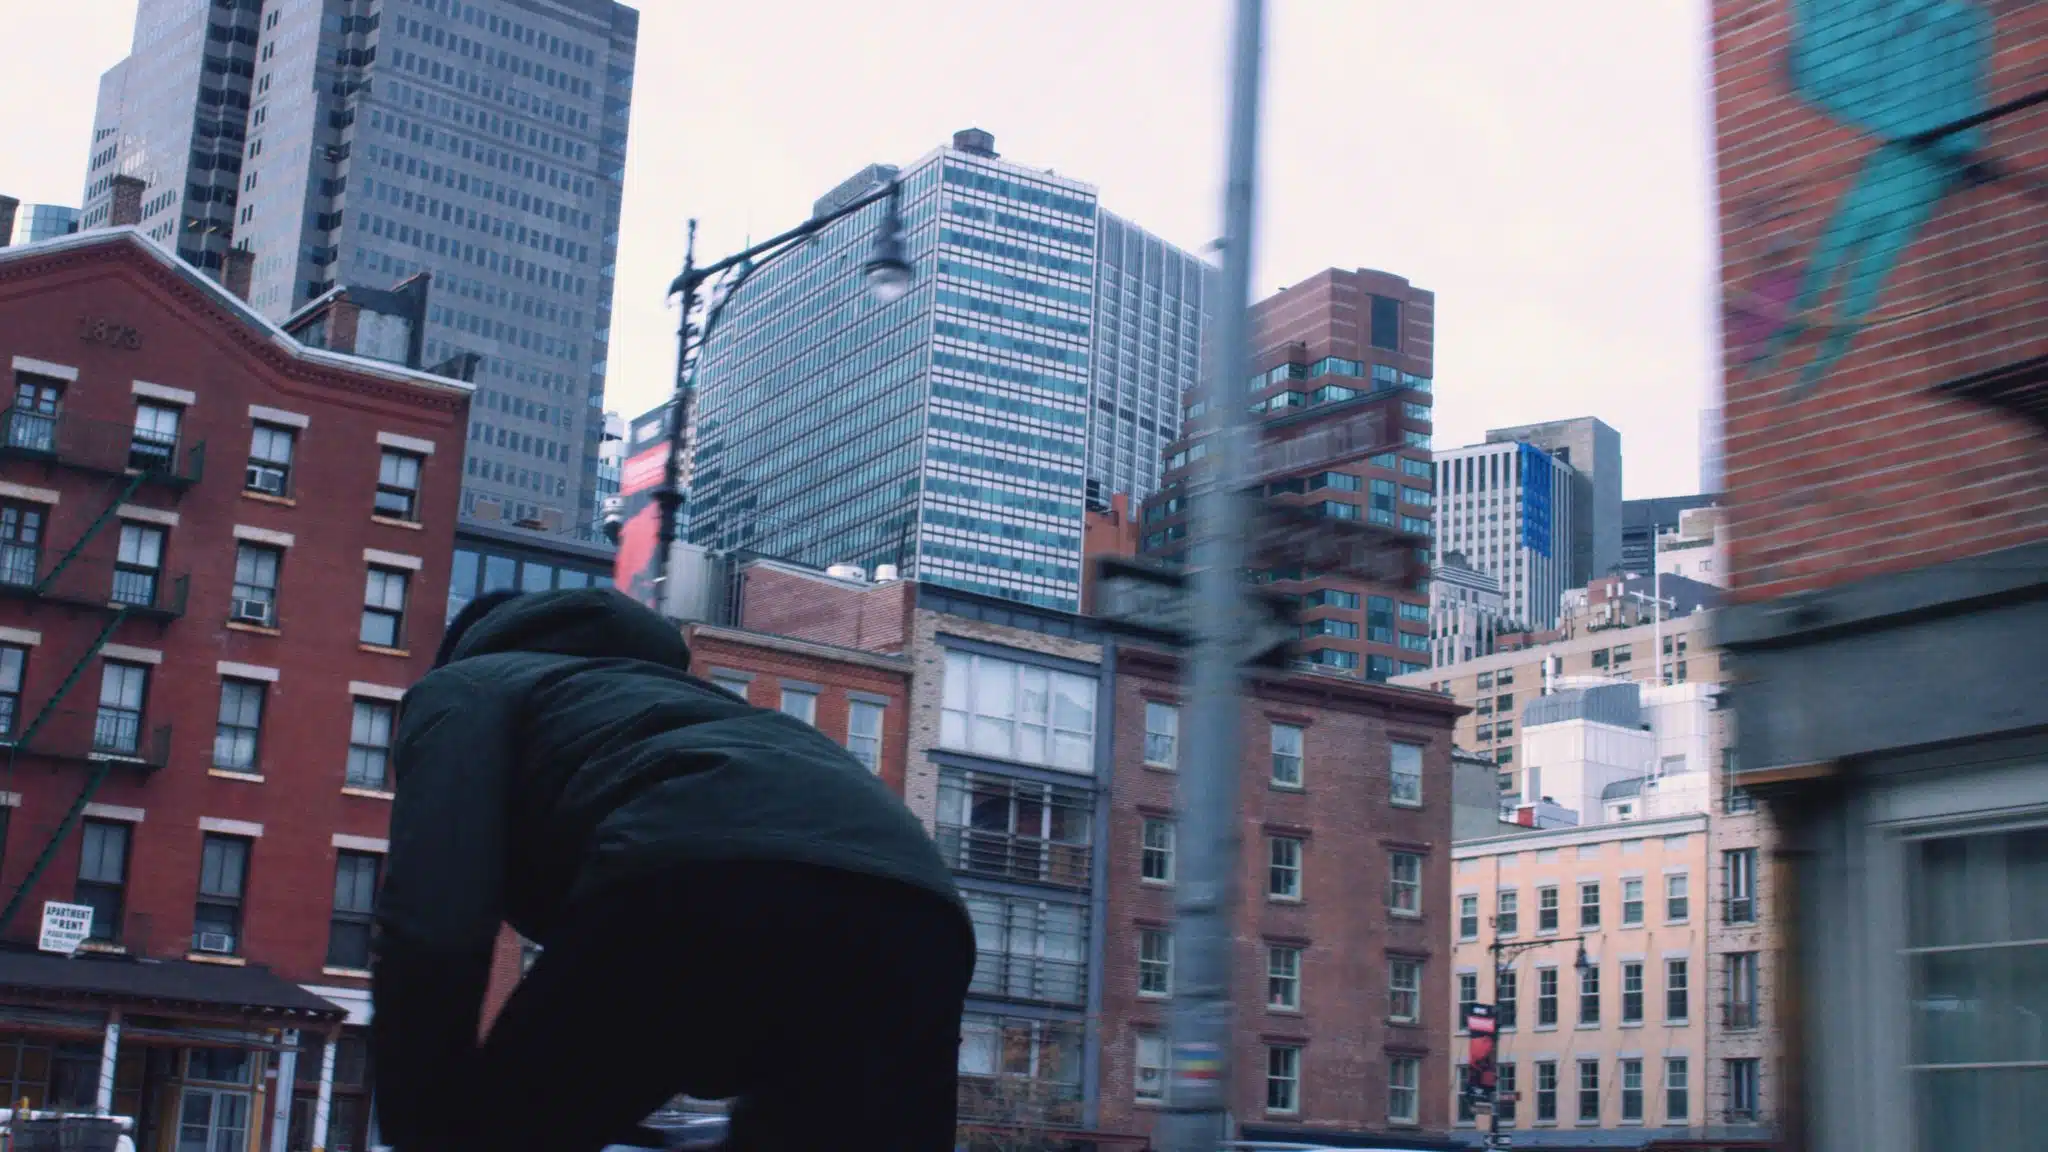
<point>1496,687</point>
<point>1592,942</point>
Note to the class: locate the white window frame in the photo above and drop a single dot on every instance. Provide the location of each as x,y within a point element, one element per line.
<point>1283,1068</point>
<point>1404,989</point>
<point>1396,886</point>
<point>1283,977</point>
<point>800,704</point>
<point>963,721</point>
<point>1150,848</point>
<point>856,740</point>
<point>1404,1090</point>
<point>1279,867</point>
<point>1285,762</point>
<point>1404,787</point>
<point>1157,960</point>
<point>1148,1068</point>
<point>1162,728</point>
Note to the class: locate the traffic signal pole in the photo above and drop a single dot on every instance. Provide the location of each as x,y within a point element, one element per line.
<point>1198,1095</point>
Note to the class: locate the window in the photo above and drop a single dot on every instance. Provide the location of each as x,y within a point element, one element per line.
<point>1283,868</point>
<point>355,900</point>
<point>1028,949</point>
<point>384,608</point>
<point>1677,993</point>
<point>254,599</point>
<point>1738,870</point>
<point>103,876</point>
<point>1546,997</point>
<point>117,726</point>
<point>1155,856</point>
<point>1742,1090</point>
<point>1162,733</point>
<point>1404,884</point>
<point>369,746</point>
<point>1018,712</point>
<point>1741,1009</point>
<point>1589,1091</point>
<point>1677,1090</point>
<point>1465,1111</point>
<point>270,460</point>
<point>1407,783</point>
<point>32,422</point>
<point>864,733</point>
<point>1468,995</point>
<point>1589,994</point>
<point>1504,1092</point>
<point>155,446</point>
<point>238,726</point>
<point>1283,1078</point>
<point>1150,1059</point>
<point>223,874</point>
<point>1283,977</point>
<point>1506,919</point>
<point>802,704</point>
<point>1404,990</point>
<point>1546,1091</point>
<point>138,563</point>
<point>1155,962</point>
<point>1506,989</point>
<point>1546,909</point>
<point>1677,898</point>
<point>1632,901</point>
<point>398,486</point>
<point>1286,743</point>
<point>1468,917</point>
<point>1632,992</point>
<point>1631,1091</point>
<point>13,666</point>
<point>1404,1075</point>
<point>737,685</point>
<point>997,825</point>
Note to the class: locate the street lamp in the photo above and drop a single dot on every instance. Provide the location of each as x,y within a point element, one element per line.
<point>1504,953</point>
<point>887,274</point>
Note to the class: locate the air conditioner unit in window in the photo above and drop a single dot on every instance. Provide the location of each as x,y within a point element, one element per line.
<point>217,943</point>
<point>251,611</point>
<point>268,481</point>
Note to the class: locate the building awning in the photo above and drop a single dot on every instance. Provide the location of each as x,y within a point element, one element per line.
<point>121,981</point>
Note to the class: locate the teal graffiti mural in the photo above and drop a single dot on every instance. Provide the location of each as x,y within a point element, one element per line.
<point>1905,72</point>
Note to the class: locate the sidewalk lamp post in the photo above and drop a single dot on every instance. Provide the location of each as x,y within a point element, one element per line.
<point>886,272</point>
<point>1483,1020</point>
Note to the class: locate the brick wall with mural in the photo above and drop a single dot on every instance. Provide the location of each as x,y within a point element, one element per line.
<point>1883,172</point>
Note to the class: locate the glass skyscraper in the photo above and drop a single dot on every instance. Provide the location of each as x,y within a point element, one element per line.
<point>953,433</point>
<point>350,142</point>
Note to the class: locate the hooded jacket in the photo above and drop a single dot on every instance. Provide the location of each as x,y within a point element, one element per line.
<point>564,748</point>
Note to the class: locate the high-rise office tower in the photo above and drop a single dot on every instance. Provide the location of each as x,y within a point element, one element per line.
<point>1341,396</point>
<point>360,142</point>
<point>1508,507</point>
<point>1593,451</point>
<point>957,433</point>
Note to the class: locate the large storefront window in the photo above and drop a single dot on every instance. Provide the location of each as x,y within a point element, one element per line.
<point>1977,954</point>
<point>474,573</point>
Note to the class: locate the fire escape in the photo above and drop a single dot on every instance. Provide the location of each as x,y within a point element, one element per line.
<point>121,581</point>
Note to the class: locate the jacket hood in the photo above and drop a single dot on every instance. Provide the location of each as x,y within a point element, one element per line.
<point>594,623</point>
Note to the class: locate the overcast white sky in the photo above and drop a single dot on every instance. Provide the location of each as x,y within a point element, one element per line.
<point>1544,168</point>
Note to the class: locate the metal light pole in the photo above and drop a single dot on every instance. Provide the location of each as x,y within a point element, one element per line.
<point>1198,1099</point>
<point>1504,954</point>
<point>888,276</point>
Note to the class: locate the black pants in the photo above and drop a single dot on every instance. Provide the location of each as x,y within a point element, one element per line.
<point>827,1002</point>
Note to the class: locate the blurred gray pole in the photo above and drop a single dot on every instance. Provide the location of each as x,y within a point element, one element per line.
<point>1198,1097</point>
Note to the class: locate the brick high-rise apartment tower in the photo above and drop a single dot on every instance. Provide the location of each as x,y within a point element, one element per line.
<point>1332,348</point>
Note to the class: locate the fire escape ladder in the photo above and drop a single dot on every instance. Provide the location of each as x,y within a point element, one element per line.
<point>98,774</point>
<point>128,487</point>
<point>100,768</point>
<point>70,681</point>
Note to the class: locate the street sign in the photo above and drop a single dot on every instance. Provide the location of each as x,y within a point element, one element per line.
<point>1298,536</point>
<point>65,927</point>
<point>1158,603</point>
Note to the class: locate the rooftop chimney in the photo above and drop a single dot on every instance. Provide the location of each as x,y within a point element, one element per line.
<point>975,142</point>
<point>126,209</point>
<point>237,269</point>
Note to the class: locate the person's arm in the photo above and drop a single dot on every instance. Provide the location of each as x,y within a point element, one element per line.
<point>442,901</point>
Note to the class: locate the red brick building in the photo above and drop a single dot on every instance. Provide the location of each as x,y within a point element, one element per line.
<point>223,557</point>
<point>1341,965</point>
<point>860,699</point>
<point>1886,351</point>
